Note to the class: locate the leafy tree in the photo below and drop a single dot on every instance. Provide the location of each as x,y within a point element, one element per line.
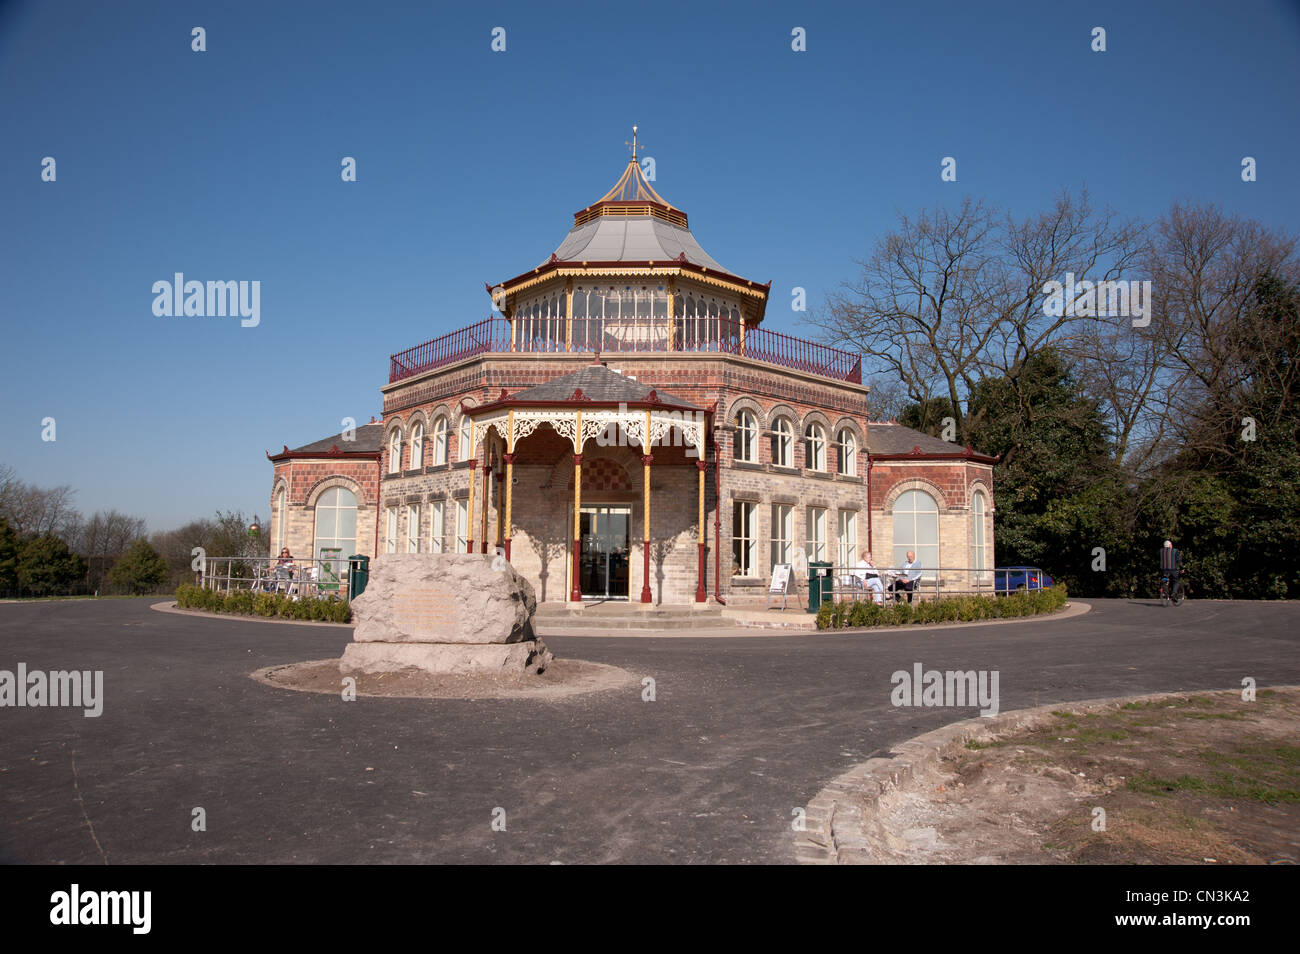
<point>9,549</point>
<point>46,565</point>
<point>139,569</point>
<point>1059,492</point>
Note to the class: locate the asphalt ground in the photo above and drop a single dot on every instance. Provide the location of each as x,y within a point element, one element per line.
<point>742,732</point>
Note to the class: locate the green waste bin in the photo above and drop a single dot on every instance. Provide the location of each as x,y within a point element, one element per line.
<point>821,584</point>
<point>358,574</point>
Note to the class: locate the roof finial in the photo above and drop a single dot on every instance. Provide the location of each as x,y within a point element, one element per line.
<point>633,143</point>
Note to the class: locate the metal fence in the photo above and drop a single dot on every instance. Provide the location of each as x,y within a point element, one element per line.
<point>301,579</point>
<point>883,584</point>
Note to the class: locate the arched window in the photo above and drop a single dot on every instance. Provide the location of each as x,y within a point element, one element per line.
<point>979,549</point>
<point>782,443</point>
<point>747,437</point>
<point>463,450</point>
<point>336,521</point>
<point>281,518</point>
<point>848,453</point>
<point>395,452</point>
<point>440,441</point>
<point>815,447</point>
<point>417,446</point>
<point>916,528</point>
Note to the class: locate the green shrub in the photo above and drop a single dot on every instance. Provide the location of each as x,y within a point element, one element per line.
<point>951,609</point>
<point>267,605</point>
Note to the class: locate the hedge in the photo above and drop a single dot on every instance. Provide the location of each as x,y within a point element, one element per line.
<point>248,603</point>
<point>952,609</point>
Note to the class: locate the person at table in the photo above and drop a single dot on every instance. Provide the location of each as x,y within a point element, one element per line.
<point>870,576</point>
<point>908,577</point>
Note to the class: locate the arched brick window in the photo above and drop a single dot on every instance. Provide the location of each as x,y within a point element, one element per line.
<point>747,437</point>
<point>916,528</point>
<point>782,443</point>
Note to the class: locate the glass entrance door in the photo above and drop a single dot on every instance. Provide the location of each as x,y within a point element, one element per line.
<point>603,545</point>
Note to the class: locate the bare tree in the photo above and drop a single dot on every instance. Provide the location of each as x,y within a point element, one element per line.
<point>955,295</point>
<point>1206,268</point>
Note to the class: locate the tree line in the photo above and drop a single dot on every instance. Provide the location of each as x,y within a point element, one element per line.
<point>1115,431</point>
<point>48,547</point>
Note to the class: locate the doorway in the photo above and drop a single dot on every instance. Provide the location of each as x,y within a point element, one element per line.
<point>603,546</point>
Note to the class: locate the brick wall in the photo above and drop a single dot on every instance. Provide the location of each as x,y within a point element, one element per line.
<point>543,495</point>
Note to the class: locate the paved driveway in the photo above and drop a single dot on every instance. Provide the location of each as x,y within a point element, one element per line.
<point>743,731</point>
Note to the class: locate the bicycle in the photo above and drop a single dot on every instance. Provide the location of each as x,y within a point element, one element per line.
<point>1172,589</point>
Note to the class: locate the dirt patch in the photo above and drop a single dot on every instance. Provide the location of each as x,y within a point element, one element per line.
<point>1205,778</point>
<point>562,679</point>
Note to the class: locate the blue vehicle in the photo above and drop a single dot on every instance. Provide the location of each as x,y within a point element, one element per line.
<point>1013,579</point>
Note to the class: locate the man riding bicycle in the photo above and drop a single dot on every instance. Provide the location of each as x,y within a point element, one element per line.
<point>1171,571</point>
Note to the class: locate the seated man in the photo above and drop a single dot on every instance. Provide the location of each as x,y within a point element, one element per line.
<point>908,577</point>
<point>869,576</point>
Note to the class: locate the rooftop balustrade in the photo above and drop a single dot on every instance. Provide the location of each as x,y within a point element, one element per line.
<point>554,335</point>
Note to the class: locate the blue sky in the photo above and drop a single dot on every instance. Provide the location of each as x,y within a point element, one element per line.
<point>225,165</point>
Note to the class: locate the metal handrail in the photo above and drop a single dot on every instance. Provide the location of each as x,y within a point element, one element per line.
<point>301,578</point>
<point>935,582</point>
<point>656,334</point>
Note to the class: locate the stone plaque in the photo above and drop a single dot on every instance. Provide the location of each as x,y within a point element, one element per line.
<point>428,610</point>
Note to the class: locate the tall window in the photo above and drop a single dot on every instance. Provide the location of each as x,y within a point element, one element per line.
<point>782,442</point>
<point>395,452</point>
<point>916,528</point>
<point>977,531</point>
<point>390,537</point>
<point>746,437</point>
<point>462,438</point>
<point>417,446</point>
<point>462,525</point>
<point>817,533</point>
<point>437,517</point>
<point>815,447</point>
<point>440,441</point>
<point>413,528</point>
<point>848,447</point>
<point>281,518</point>
<point>782,532</point>
<point>744,546</point>
<point>847,553</point>
<point>336,521</point>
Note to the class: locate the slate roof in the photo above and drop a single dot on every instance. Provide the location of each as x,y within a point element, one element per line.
<point>896,439</point>
<point>633,238</point>
<point>369,439</point>
<point>598,383</point>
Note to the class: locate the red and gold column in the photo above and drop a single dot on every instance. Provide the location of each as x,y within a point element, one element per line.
<point>700,593</point>
<point>510,476</point>
<point>487,487</point>
<point>575,591</point>
<point>646,461</point>
<point>469,520</point>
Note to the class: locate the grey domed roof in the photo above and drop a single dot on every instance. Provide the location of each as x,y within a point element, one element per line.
<point>609,238</point>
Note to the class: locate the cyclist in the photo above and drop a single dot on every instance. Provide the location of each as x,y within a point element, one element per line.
<point>1171,569</point>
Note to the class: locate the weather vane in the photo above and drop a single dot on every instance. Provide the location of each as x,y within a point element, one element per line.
<point>633,143</point>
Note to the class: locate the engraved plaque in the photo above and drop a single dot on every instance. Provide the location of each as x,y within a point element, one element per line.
<point>426,610</point>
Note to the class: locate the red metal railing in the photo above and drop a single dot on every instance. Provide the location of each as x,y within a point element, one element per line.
<point>721,335</point>
<point>790,352</point>
<point>491,334</point>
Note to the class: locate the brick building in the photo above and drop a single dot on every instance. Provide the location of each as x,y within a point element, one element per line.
<point>629,416</point>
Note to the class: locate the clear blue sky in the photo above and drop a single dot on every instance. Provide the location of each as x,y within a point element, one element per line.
<point>225,165</point>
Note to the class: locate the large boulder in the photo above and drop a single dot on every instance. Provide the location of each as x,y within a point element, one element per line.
<point>445,613</point>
